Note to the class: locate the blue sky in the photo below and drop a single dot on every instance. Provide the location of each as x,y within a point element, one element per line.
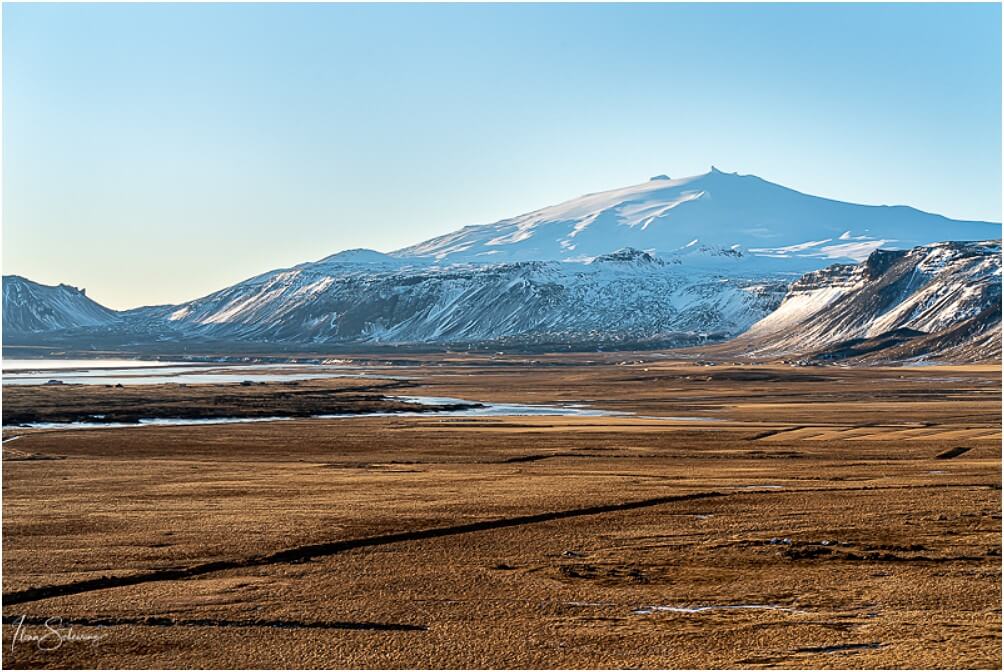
<point>155,153</point>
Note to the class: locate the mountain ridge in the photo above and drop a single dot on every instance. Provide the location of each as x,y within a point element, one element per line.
<point>929,300</point>
<point>669,261</point>
<point>627,294</point>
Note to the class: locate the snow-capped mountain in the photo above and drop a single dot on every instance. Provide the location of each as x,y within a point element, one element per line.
<point>665,262</point>
<point>29,307</point>
<point>936,300</point>
<point>626,295</point>
<point>698,217</point>
<point>717,248</point>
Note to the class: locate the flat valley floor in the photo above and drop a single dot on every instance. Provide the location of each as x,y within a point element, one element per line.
<point>740,516</point>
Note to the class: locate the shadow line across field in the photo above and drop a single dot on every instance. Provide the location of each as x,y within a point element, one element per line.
<point>310,551</point>
<point>305,553</point>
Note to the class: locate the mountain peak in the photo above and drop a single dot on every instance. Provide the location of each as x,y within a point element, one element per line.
<point>359,255</point>
<point>715,171</point>
<point>774,225</point>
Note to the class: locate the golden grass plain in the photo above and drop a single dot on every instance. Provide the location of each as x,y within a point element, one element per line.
<point>799,517</point>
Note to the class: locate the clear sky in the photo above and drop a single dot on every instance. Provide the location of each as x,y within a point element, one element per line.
<point>155,153</point>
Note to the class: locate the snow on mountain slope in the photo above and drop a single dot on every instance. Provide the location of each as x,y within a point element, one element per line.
<point>936,297</point>
<point>681,260</point>
<point>29,307</point>
<point>770,226</point>
<point>628,294</point>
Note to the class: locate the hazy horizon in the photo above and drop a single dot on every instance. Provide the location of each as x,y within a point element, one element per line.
<point>156,153</point>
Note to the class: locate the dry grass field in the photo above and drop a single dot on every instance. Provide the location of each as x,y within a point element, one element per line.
<point>741,516</point>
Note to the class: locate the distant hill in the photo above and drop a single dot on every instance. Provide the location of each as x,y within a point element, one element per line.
<point>30,307</point>
<point>936,301</point>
